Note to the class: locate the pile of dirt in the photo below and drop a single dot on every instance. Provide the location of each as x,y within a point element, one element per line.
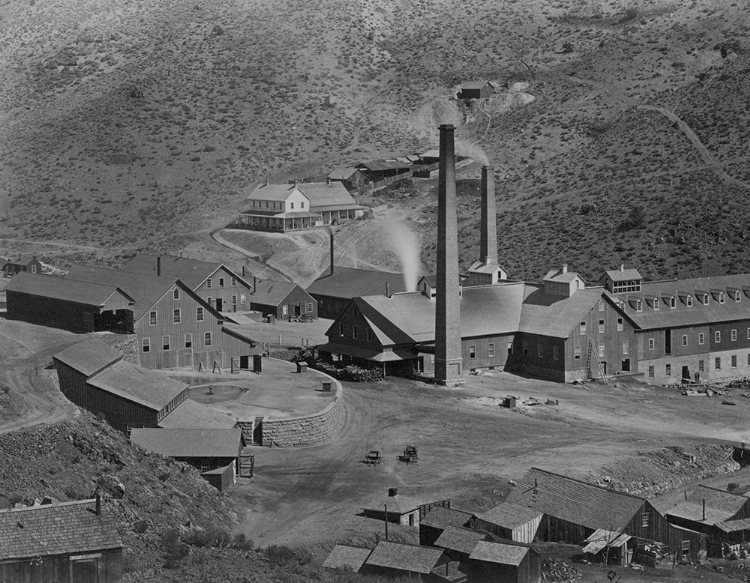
<point>656,472</point>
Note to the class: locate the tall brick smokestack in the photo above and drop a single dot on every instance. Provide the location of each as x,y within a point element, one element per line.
<point>488,243</point>
<point>448,360</point>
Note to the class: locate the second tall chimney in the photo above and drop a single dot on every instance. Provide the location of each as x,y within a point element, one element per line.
<point>158,266</point>
<point>331,234</point>
<point>488,242</point>
<point>448,358</point>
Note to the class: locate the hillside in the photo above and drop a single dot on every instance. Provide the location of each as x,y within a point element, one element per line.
<point>143,126</point>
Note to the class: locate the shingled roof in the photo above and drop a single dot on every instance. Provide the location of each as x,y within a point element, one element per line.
<point>551,315</point>
<point>181,443</point>
<point>271,292</point>
<point>721,506</point>
<point>494,552</point>
<point>55,529</point>
<point>89,357</point>
<point>60,288</point>
<point>348,282</point>
<point>575,501</point>
<point>412,558</point>
<point>443,517</point>
<point>459,539</point>
<point>347,557</point>
<point>192,272</point>
<point>133,383</point>
<point>509,515</point>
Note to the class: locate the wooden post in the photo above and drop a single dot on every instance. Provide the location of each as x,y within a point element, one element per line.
<point>386,521</point>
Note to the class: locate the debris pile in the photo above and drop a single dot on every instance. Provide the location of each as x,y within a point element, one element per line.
<point>556,571</point>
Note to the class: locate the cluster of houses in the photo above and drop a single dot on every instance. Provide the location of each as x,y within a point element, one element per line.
<point>499,544</point>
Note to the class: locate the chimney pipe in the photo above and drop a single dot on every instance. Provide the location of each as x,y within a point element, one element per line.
<point>243,271</point>
<point>386,521</point>
<point>704,509</point>
<point>98,504</point>
<point>448,358</point>
<point>158,266</point>
<point>488,240</point>
<point>622,267</point>
<point>565,268</point>
<point>387,289</point>
<point>328,180</point>
<point>255,282</point>
<point>330,232</point>
<point>392,492</point>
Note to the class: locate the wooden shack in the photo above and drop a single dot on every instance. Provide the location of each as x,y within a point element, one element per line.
<point>509,521</point>
<point>494,562</point>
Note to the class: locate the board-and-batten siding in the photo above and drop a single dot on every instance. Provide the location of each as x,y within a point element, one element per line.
<point>482,358</point>
<point>225,292</point>
<point>523,533</point>
<point>58,569</point>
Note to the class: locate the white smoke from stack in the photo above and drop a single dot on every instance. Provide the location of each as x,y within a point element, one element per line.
<point>405,244</point>
<point>472,150</point>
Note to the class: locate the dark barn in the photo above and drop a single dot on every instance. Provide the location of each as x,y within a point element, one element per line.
<point>281,299</point>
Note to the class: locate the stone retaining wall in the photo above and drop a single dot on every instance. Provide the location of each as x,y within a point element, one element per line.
<point>309,429</point>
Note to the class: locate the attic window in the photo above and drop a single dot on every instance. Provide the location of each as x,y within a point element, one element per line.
<point>721,297</point>
<point>672,302</point>
<point>737,296</point>
<point>638,306</point>
<point>656,303</point>
<point>705,299</point>
<point>689,300</point>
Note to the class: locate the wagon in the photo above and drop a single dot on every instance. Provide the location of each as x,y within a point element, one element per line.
<point>410,454</point>
<point>373,457</point>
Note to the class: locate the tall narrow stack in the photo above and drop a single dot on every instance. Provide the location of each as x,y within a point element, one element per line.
<point>488,243</point>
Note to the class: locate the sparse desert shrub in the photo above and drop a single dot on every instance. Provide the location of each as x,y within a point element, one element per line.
<point>174,549</point>
<point>242,543</point>
<point>283,556</point>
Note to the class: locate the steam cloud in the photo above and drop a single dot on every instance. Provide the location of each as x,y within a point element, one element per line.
<point>405,245</point>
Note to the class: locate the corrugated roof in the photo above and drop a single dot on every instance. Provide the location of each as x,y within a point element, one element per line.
<point>146,290</point>
<point>141,386</point>
<point>494,552</point>
<point>348,282</point>
<point>382,165</point>
<point>721,506</point>
<point>682,314</point>
<point>551,315</point>
<point>60,288</point>
<point>624,274</point>
<point>575,501</point>
<point>270,292</point>
<point>189,442</point>
<point>192,272</point>
<point>55,529</point>
<point>411,558</point>
<point>89,357</point>
<point>459,539</point>
<point>347,557</point>
<point>192,415</point>
<point>443,517</point>
<point>509,515</point>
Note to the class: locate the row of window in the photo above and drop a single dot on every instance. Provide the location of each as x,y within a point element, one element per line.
<point>199,311</point>
<point>275,205</point>
<point>702,297</point>
<point>701,365</point>
<point>210,282</point>
<point>702,338</point>
<point>602,325</point>
<point>166,342</point>
<point>355,328</point>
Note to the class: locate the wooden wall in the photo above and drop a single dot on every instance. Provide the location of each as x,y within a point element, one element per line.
<point>50,312</point>
<point>106,564</point>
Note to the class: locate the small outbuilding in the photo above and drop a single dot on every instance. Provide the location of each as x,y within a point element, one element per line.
<point>281,299</point>
<point>494,562</point>
<point>66,542</point>
<point>347,558</point>
<point>460,542</point>
<point>432,525</point>
<point>476,90</point>
<point>394,508</point>
<point>22,264</point>
<point>401,560</point>
<point>509,521</point>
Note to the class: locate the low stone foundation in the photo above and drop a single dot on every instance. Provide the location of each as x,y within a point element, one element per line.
<point>309,429</point>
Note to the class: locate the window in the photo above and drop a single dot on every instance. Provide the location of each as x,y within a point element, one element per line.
<point>650,343</point>
<point>644,519</point>
<point>601,326</point>
<point>601,305</point>
<point>555,353</point>
<point>491,350</point>
<point>651,371</point>
<point>302,204</point>
<point>188,340</point>
<point>152,318</point>
<point>510,348</point>
<point>748,333</point>
<point>625,347</point>
<point>243,299</point>
<point>207,339</point>
<point>668,370</point>
<point>472,351</point>
<point>199,314</point>
<point>656,303</point>
<point>221,282</point>
<point>737,296</point>
<point>638,306</point>
<point>233,282</point>
<point>619,325</point>
<point>525,346</point>
<point>701,338</point>
<point>701,365</point>
<point>309,307</point>
<point>721,297</point>
<point>689,300</point>
<point>577,352</point>
<point>672,302</point>
<point>176,316</point>
<point>292,206</point>
<point>234,299</point>
<point>341,329</point>
<point>209,283</point>
<point>583,328</point>
<point>717,336</point>
<point>369,335</point>
<point>210,301</point>
<point>165,342</point>
<point>734,361</point>
<point>355,332</point>
<point>601,351</point>
<point>146,345</point>
<point>748,359</point>
<point>684,340</point>
<point>176,293</point>
<point>717,363</point>
<point>705,299</point>
<point>33,269</point>
<point>539,350</point>
<point>734,335</point>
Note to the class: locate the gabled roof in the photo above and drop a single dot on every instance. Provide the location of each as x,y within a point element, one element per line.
<point>623,274</point>
<point>509,515</point>
<point>270,292</point>
<point>192,415</point>
<point>463,540</point>
<point>135,384</point>
<point>276,192</point>
<point>89,357</point>
<point>575,501</point>
<point>189,442</point>
<point>23,260</point>
<point>494,552</point>
<point>55,529</point>
<point>561,276</point>
<point>397,504</point>
<point>683,315</point>
<point>348,282</point>
<point>443,517</point>
<point>192,272</point>
<point>381,165</point>
<point>60,288</point>
<point>721,506</point>
<point>552,315</point>
<point>411,558</point>
<point>474,84</point>
<point>325,195</point>
<point>342,173</point>
<point>347,557</point>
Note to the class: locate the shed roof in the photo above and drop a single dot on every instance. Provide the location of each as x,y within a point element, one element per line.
<point>271,292</point>
<point>192,272</point>
<point>508,515</point>
<point>602,538</point>
<point>575,501</point>
<point>55,529</point>
<point>141,386</point>
<point>404,557</point>
<point>443,517</point>
<point>495,552</point>
<point>734,525</point>
<point>61,288</point>
<point>347,557</point>
<point>348,282</point>
<point>192,415</point>
<point>474,84</point>
<point>721,506</point>
<point>459,539</point>
<point>552,315</point>
<point>205,443</point>
<point>89,357</point>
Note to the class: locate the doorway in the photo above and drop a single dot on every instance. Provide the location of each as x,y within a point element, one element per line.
<point>219,304</point>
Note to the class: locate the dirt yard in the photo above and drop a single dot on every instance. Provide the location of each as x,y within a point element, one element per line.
<point>469,448</point>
